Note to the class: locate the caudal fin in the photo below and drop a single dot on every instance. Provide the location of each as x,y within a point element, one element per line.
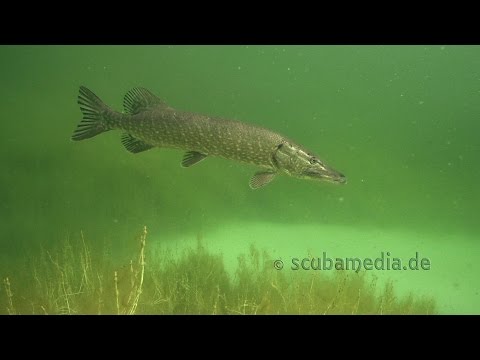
<point>94,111</point>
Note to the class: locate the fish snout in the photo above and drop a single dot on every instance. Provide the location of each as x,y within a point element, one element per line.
<point>342,179</point>
<point>335,176</point>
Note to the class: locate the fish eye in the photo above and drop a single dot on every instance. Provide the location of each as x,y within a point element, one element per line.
<point>313,161</point>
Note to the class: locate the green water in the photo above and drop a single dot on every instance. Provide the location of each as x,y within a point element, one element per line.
<point>401,122</point>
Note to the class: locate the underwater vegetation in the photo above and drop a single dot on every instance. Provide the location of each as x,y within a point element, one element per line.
<point>72,280</point>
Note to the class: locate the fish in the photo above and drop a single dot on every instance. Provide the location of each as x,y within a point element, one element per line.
<point>148,122</point>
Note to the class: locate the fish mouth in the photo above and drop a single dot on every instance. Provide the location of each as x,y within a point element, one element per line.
<point>336,179</point>
<point>342,179</point>
<point>332,177</point>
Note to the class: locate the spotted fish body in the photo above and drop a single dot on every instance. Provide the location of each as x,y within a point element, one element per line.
<point>148,122</point>
<point>232,140</point>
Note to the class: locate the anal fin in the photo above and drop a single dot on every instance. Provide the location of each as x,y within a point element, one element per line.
<point>134,145</point>
<point>192,157</point>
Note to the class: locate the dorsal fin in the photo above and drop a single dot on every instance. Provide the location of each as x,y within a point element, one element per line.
<point>139,99</point>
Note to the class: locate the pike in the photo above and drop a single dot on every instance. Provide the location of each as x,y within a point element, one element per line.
<point>149,122</point>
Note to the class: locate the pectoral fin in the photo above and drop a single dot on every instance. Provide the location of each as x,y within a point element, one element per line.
<point>261,178</point>
<point>192,157</point>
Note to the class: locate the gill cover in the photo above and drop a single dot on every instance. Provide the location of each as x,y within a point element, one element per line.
<point>298,162</point>
<point>291,159</point>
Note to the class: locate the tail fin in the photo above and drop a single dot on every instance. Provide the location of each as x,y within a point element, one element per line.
<point>94,111</point>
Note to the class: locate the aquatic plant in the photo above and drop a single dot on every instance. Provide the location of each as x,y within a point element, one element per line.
<point>72,280</point>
